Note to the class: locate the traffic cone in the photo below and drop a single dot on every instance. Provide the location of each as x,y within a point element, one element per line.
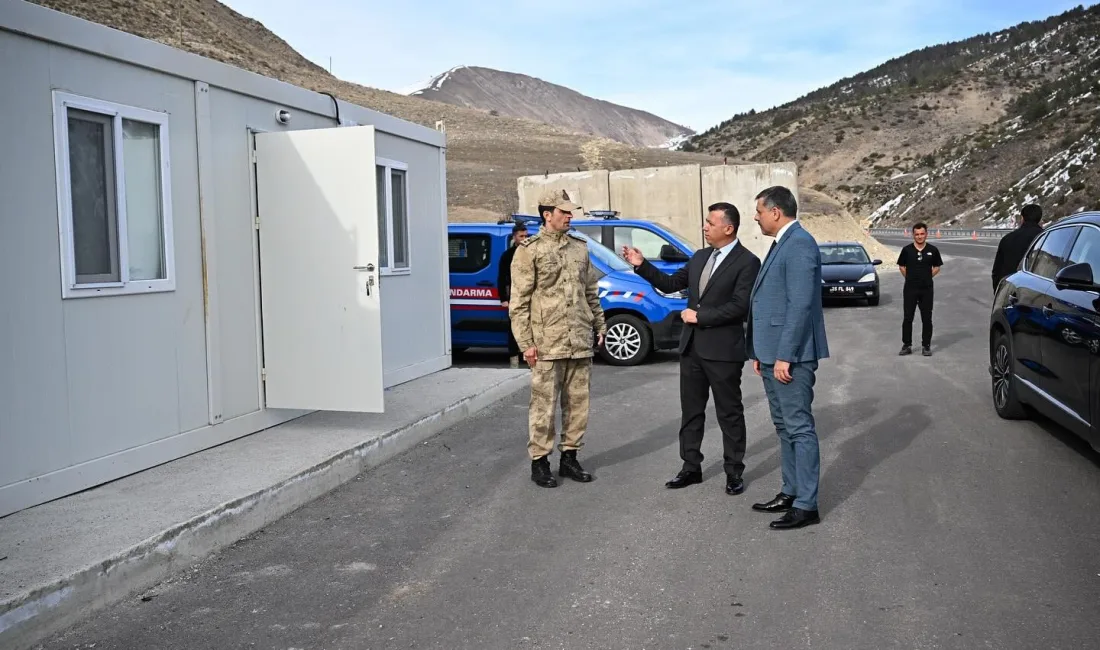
<point>905,232</point>
<point>974,235</point>
<point>938,235</point>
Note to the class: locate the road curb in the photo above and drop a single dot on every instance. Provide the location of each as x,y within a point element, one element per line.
<point>28,618</point>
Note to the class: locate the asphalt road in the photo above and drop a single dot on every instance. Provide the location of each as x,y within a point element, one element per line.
<point>980,249</point>
<point>943,526</point>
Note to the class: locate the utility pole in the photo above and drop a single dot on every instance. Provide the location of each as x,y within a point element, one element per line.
<point>330,65</point>
<point>179,21</point>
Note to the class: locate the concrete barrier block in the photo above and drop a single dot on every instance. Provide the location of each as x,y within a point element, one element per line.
<point>669,196</point>
<point>739,185</point>
<point>589,189</point>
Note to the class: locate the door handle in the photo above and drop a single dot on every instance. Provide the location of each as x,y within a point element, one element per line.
<point>1013,298</point>
<point>485,283</point>
<point>1048,310</point>
<point>368,267</point>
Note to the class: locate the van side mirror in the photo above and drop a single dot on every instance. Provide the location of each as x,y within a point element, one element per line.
<point>670,253</point>
<point>1076,276</point>
<point>876,262</point>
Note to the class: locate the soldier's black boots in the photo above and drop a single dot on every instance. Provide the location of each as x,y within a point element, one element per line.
<point>540,473</point>
<point>568,467</point>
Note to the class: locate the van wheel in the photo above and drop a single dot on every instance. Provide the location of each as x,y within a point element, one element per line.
<point>628,341</point>
<point>1005,401</point>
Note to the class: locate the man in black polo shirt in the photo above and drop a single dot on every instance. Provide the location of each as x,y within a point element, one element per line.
<point>919,263</point>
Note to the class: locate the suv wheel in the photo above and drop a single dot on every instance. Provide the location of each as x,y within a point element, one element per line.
<point>628,341</point>
<point>1004,387</point>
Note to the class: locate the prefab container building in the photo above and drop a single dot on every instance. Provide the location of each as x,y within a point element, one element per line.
<point>194,253</point>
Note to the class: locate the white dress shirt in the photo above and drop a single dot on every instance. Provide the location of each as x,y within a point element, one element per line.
<point>723,253</point>
<point>779,235</point>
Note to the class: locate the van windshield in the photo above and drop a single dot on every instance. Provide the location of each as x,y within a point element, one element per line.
<point>680,239</point>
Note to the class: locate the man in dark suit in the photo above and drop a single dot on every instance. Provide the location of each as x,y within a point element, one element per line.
<point>1013,246</point>
<point>712,344</point>
<point>786,338</point>
<point>504,286</point>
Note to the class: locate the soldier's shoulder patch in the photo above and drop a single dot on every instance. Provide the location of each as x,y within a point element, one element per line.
<point>530,240</point>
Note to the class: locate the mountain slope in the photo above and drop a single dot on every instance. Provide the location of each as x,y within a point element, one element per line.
<point>485,153</point>
<point>518,95</point>
<point>961,133</point>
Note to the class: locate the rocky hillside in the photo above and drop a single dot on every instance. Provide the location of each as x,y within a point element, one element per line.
<point>518,95</point>
<point>486,153</point>
<point>962,133</point>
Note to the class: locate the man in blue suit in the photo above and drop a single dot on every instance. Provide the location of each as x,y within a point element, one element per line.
<point>786,339</point>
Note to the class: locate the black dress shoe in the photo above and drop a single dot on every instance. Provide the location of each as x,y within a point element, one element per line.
<point>781,503</point>
<point>568,467</point>
<point>684,479</point>
<point>540,473</point>
<point>734,485</point>
<point>796,518</point>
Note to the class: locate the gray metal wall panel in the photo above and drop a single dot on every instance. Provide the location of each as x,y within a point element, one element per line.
<point>137,363</point>
<point>34,396</point>
<point>413,315</point>
<point>232,115</point>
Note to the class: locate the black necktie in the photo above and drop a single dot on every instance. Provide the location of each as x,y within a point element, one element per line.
<point>770,249</point>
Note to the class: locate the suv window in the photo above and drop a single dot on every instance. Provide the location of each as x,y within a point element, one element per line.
<point>1029,261</point>
<point>1087,249</point>
<point>1051,255</point>
<point>648,242</point>
<point>468,253</point>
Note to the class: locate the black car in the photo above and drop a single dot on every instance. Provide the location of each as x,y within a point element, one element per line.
<point>848,272</point>
<point>1044,330</point>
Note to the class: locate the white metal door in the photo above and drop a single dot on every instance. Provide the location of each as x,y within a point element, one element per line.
<point>318,220</point>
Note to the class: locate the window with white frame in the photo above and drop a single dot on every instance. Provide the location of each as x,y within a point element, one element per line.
<point>114,203</point>
<point>393,216</point>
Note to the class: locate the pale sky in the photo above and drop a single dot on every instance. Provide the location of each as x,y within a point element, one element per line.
<point>695,62</point>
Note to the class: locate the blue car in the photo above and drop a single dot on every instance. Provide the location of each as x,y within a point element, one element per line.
<point>665,249</point>
<point>640,319</point>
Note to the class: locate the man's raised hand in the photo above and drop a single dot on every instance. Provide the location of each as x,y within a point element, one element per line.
<point>633,256</point>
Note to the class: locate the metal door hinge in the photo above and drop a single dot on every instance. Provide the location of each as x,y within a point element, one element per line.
<point>263,374</point>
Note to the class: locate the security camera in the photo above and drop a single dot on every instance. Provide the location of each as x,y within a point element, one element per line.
<point>282,116</point>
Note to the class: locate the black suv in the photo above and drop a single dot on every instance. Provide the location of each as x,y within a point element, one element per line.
<point>1044,329</point>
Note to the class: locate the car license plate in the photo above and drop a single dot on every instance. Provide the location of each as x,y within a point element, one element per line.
<point>842,289</point>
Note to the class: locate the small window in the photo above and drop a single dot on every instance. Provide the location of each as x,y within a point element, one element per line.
<point>1032,254</point>
<point>468,253</point>
<point>594,232</point>
<point>393,216</point>
<point>647,242</point>
<point>1087,249</point>
<point>1051,256</point>
<point>114,203</point>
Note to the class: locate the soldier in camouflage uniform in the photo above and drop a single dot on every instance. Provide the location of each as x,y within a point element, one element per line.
<point>555,310</point>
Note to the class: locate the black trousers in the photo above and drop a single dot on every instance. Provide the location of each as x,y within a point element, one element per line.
<point>914,297</point>
<point>698,378</point>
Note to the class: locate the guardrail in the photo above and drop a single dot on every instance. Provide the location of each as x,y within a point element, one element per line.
<point>952,233</point>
